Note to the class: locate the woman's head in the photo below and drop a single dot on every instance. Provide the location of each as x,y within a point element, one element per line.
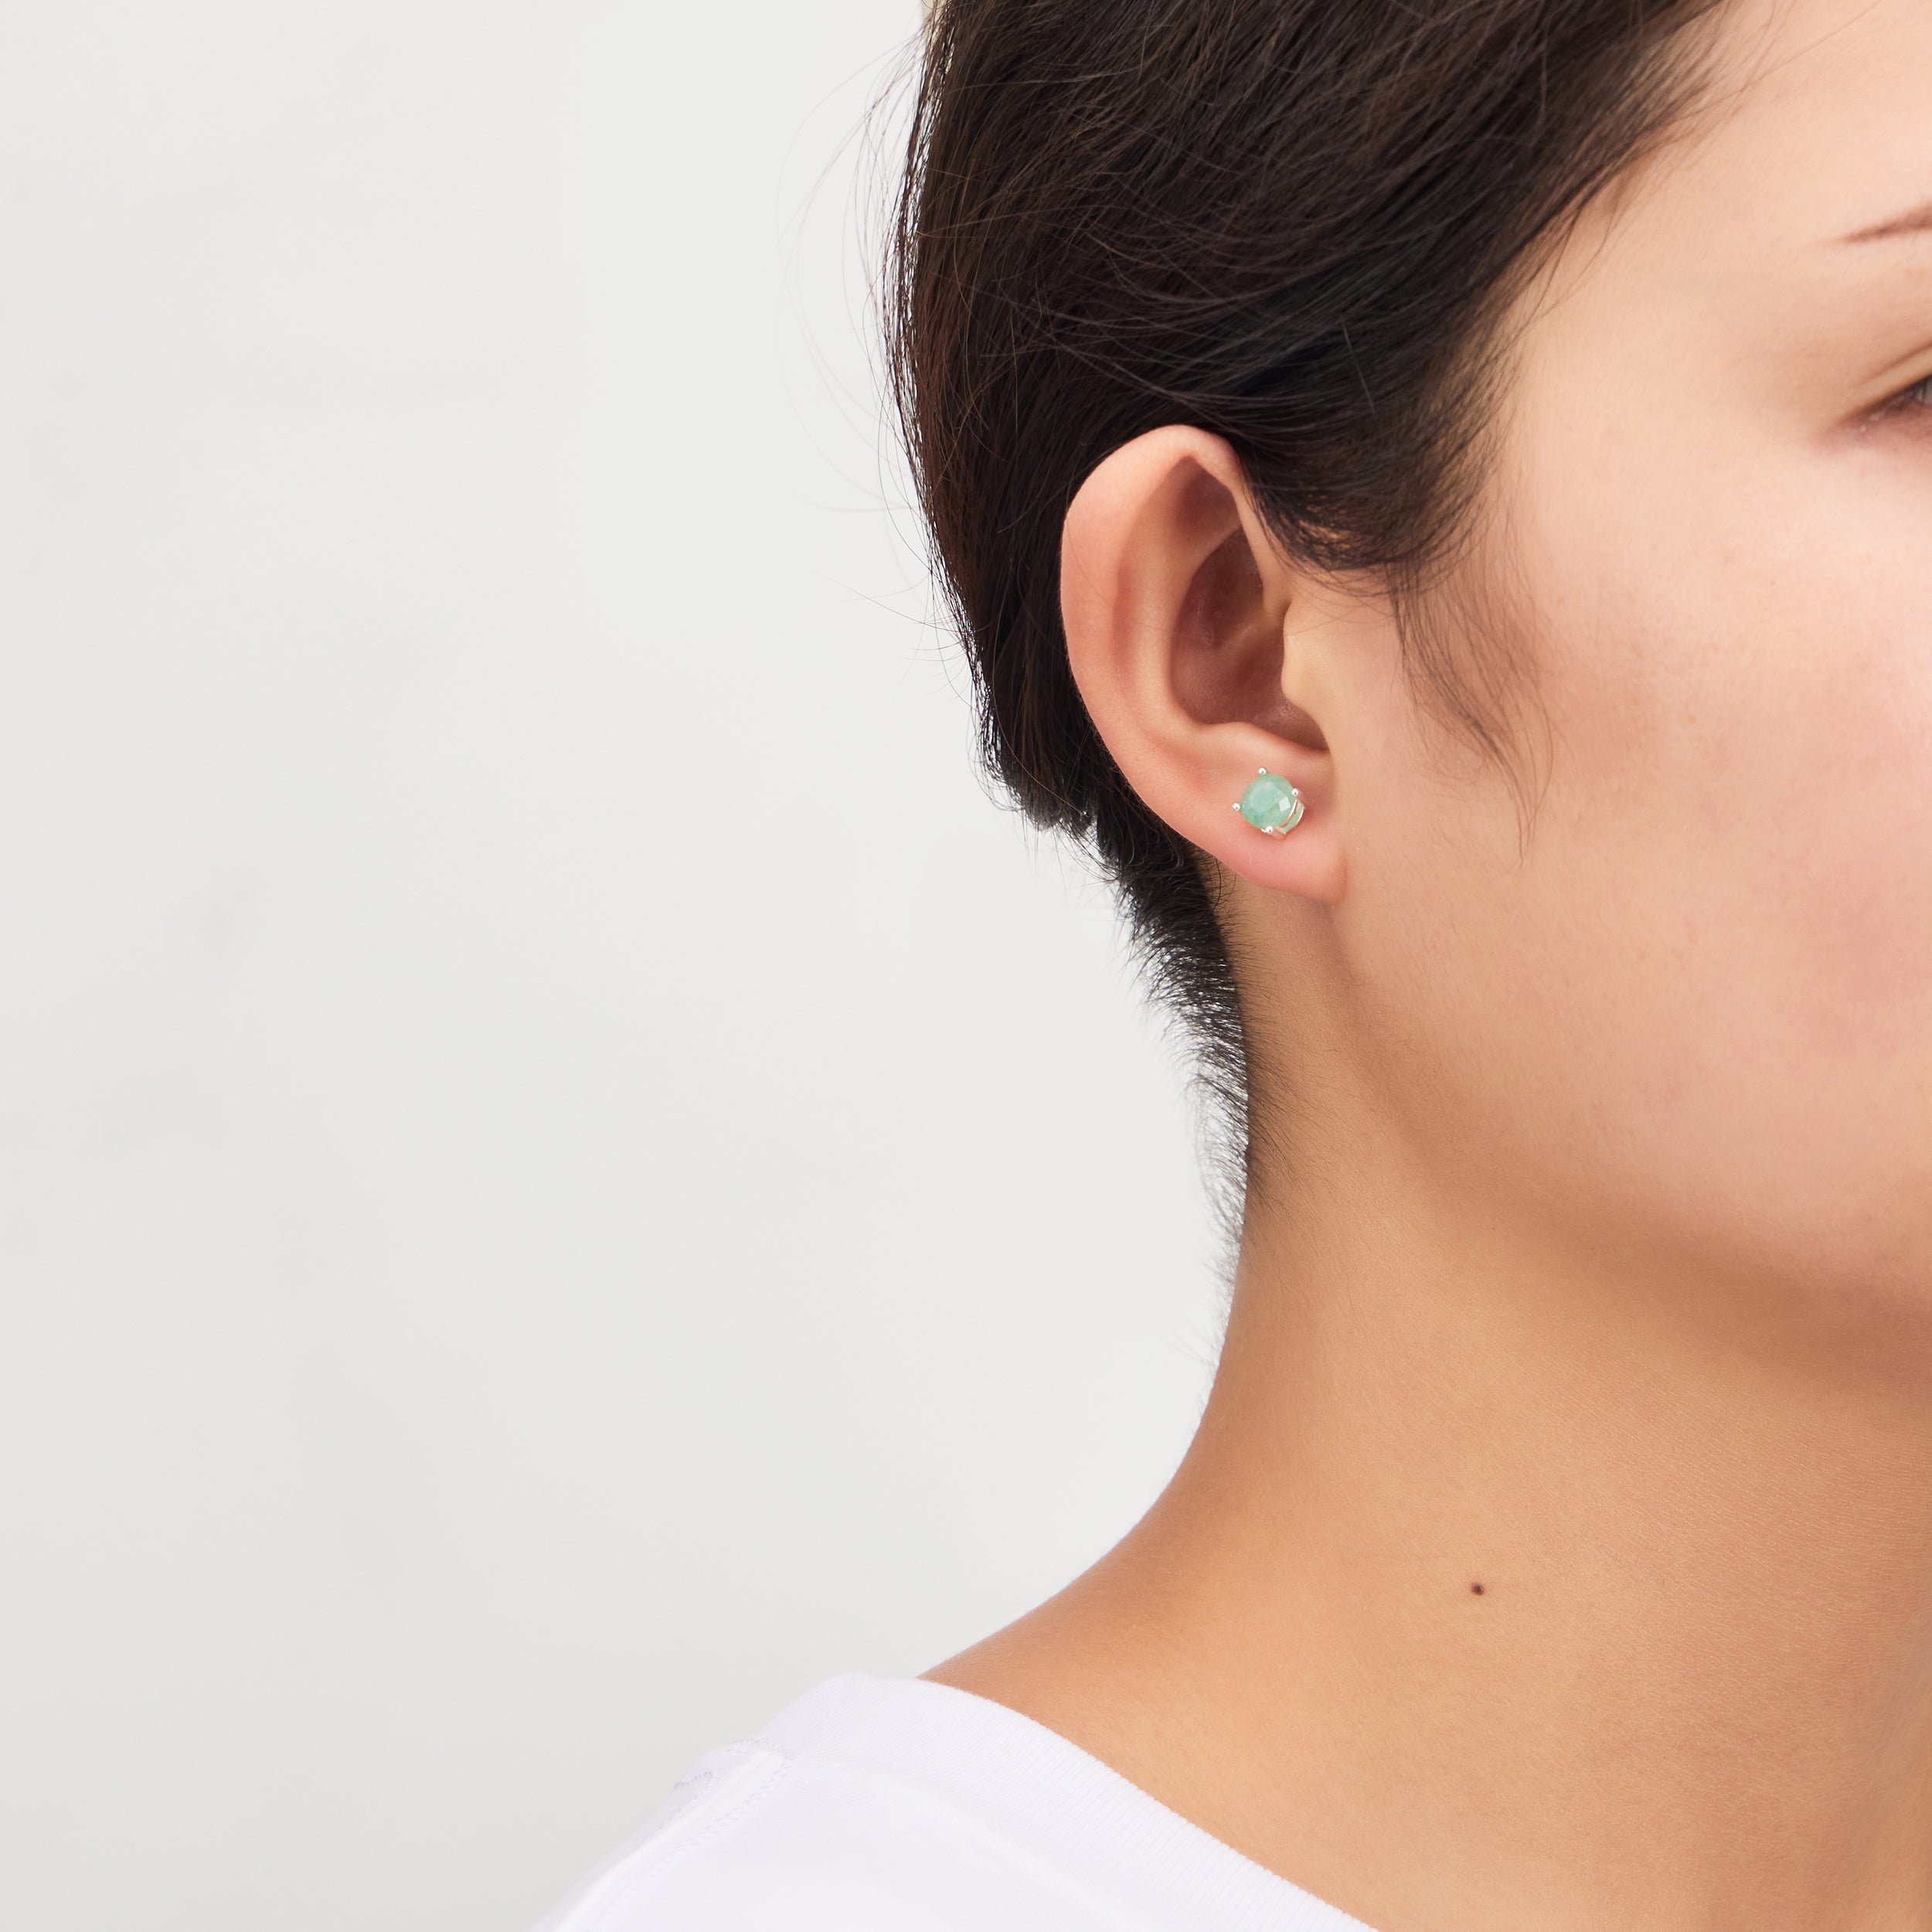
<point>1479,413</point>
<point>1289,223</point>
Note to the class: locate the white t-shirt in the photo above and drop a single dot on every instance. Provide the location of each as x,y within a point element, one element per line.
<point>891,1804</point>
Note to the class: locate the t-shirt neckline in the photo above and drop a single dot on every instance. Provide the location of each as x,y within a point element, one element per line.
<point>1039,1790</point>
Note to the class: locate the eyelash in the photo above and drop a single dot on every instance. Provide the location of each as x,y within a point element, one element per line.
<point>1915,401</point>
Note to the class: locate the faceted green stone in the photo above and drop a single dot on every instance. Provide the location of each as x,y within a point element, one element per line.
<point>1270,804</point>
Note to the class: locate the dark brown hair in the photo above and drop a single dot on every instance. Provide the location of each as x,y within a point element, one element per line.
<point>1295,224</point>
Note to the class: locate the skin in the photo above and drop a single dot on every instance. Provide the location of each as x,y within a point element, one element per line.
<point>1589,1253</point>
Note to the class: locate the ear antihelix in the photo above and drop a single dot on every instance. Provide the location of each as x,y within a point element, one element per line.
<point>1270,804</point>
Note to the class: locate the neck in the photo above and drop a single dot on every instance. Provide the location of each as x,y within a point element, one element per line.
<point>1510,1585</point>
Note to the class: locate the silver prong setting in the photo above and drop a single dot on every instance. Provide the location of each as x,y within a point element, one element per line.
<point>1267,794</point>
<point>1287,825</point>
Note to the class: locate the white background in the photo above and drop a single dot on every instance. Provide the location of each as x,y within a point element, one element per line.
<point>564,1174</point>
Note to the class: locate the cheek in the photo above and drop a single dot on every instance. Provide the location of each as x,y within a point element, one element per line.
<point>1857,866</point>
<point>1856,916</point>
<point>1733,872</point>
<point>1756,696</point>
<point>1703,993</point>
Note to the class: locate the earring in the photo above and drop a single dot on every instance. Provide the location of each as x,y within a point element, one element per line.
<point>1270,804</point>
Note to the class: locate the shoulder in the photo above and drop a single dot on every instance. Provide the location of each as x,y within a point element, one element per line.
<point>876,1804</point>
<point>756,1839</point>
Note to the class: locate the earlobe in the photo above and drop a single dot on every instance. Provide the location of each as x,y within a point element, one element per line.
<point>1273,813</point>
<point>1178,609</point>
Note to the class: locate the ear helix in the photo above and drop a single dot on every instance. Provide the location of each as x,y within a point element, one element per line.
<point>1270,804</point>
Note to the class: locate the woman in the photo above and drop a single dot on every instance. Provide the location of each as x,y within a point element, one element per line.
<point>1440,497</point>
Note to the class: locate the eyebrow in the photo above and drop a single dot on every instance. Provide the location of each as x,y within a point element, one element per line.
<point>1918,222</point>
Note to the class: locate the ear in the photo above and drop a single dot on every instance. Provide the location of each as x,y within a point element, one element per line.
<point>1180,617</point>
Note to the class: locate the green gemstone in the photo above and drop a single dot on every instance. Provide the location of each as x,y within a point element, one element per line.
<point>1270,804</point>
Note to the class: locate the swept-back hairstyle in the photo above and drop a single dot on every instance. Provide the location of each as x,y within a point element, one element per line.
<point>1295,223</point>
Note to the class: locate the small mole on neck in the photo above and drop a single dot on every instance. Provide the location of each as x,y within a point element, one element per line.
<point>1475,1589</point>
